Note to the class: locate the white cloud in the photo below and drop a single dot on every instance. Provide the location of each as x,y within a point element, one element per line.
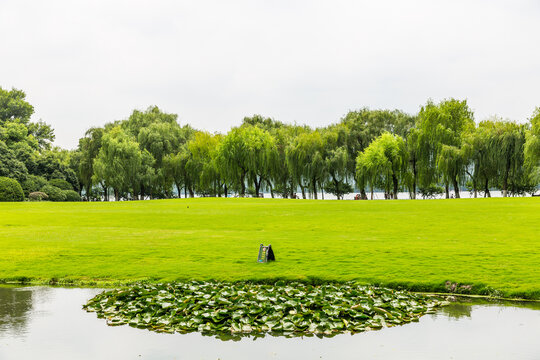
<point>85,63</point>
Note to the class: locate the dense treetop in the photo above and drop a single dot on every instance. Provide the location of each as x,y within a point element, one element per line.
<point>150,155</point>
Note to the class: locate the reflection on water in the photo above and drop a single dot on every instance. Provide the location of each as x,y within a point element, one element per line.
<point>15,304</point>
<point>48,323</point>
<point>456,311</point>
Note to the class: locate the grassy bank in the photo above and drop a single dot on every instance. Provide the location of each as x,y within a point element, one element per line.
<point>491,244</point>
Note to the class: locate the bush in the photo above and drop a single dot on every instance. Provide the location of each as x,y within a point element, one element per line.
<point>61,184</point>
<point>10,190</point>
<point>71,195</point>
<point>37,196</point>
<point>54,193</point>
<point>32,184</point>
<point>342,189</point>
<point>430,192</point>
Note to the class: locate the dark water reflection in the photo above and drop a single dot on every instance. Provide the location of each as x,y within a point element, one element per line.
<point>14,309</point>
<point>48,323</point>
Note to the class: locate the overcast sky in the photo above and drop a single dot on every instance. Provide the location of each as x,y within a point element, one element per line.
<point>85,63</point>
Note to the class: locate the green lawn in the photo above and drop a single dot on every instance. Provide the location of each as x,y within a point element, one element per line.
<point>490,243</point>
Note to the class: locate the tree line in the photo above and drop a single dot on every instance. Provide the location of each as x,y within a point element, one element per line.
<point>439,150</point>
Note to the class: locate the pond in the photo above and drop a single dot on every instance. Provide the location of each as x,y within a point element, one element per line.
<point>48,323</point>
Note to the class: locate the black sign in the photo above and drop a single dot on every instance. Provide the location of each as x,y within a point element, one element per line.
<point>266,254</point>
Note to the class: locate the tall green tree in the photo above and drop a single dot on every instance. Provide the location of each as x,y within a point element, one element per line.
<point>383,163</point>
<point>119,163</point>
<point>89,147</point>
<point>365,125</point>
<point>246,155</point>
<point>532,148</point>
<point>441,125</point>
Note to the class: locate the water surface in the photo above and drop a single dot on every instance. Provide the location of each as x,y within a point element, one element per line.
<point>48,323</point>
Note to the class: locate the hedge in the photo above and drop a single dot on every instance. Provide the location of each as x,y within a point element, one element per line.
<point>10,190</point>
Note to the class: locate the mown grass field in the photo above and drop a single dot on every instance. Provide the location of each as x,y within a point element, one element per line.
<point>489,243</point>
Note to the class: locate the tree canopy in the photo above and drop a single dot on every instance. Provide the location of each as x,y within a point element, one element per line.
<point>149,154</point>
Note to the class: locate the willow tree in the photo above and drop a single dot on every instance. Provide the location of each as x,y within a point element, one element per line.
<point>532,148</point>
<point>365,125</point>
<point>442,124</point>
<point>336,159</point>
<point>119,163</point>
<point>412,145</point>
<point>203,163</point>
<point>451,163</point>
<point>305,159</point>
<point>509,141</point>
<point>280,175</point>
<point>245,155</point>
<point>336,162</point>
<point>479,148</point>
<point>383,163</point>
<point>139,120</point>
<point>89,147</point>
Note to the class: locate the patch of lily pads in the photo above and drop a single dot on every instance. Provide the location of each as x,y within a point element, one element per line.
<point>255,309</point>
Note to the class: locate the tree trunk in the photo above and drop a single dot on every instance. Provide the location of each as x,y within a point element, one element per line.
<point>243,184</point>
<point>414,181</point>
<point>105,192</point>
<point>116,195</point>
<point>505,185</point>
<point>178,189</point>
<point>456,187</point>
<point>486,189</point>
<point>303,192</point>
<point>314,182</point>
<point>395,185</point>
<point>363,195</point>
<point>447,191</point>
<point>257,186</point>
<point>372,193</point>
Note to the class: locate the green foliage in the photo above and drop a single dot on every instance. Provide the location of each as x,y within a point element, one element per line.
<point>149,154</point>
<point>338,189</point>
<point>89,147</point>
<point>119,163</point>
<point>71,195</point>
<point>10,166</point>
<point>54,193</point>
<point>61,184</point>
<point>10,190</point>
<point>383,164</point>
<point>439,125</point>
<point>532,148</point>
<point>233,308</point>
<point>37,196</point>
<point>13,106</point>
<point>246,154</point>
<point>33,183</point>
<point>430,192</point>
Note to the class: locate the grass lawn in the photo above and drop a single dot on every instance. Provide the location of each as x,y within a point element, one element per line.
<point>489,243</point>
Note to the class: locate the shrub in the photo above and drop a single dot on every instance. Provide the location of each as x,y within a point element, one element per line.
<point>71,195</point>
<point>54,193</point>
<point>37,196</point>
<point>339,191</point>
<point>10,190</point>
<point>32,184</point>
<point>61,184</point>
<point>430,192</point>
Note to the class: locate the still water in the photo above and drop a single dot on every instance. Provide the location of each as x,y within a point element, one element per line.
<point>48,323</point>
